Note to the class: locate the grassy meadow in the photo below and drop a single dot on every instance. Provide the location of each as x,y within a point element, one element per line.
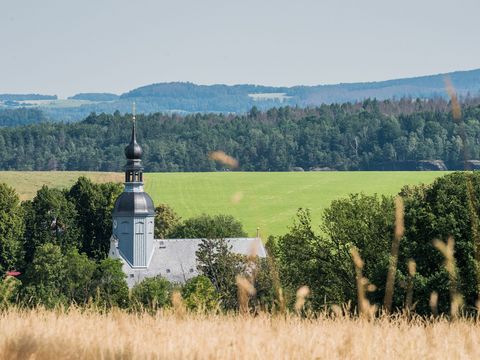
<point>258,199</point>
<point>75,334</point>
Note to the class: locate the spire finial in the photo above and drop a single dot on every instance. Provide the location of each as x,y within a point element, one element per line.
<point>133,151</point>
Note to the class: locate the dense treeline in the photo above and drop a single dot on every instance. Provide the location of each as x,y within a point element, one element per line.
<point>22,116</point>
<point>344,137</point>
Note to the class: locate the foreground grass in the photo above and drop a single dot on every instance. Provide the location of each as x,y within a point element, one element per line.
<point>40,334</point>
<point>265,200</point>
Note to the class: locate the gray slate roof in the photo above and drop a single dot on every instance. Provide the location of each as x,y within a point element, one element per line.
<point>175,259</point>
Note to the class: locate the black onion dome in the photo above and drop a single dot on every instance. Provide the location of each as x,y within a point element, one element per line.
<point>133,151</point>
<point>134,203</point>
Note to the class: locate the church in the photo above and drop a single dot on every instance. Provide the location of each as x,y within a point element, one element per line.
<point>133,241</point>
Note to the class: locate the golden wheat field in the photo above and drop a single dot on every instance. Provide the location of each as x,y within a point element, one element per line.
<point>73,334</point>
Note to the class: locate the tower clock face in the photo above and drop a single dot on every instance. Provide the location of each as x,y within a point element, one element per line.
<point>114,224</point>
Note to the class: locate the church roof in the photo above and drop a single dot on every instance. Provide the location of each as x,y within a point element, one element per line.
<point>176,259</point>
<point>133,204</point>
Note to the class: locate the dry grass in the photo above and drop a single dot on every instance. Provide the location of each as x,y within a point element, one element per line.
<point>27,183</point>
<point>39,334</point>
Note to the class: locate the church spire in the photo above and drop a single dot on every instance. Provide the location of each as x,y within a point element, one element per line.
<point>133,153</point>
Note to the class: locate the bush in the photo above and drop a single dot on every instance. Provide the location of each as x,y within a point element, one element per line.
<point>166,219</point>
<point>199,294</point>
<point>209,227</point>
<point>109,285</point>
<point>152,293</point>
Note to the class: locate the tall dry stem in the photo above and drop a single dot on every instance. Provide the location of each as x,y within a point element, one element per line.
<point>448,252</point>
<point>434,303</point>
<point>245,290</point>
<point>412,270</point>
<point>179,307</point>
<point>302,294</point>
<point>364,307</point>
<point>392,269</point>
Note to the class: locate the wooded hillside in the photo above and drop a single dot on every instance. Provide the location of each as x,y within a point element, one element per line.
<point>363,136</point>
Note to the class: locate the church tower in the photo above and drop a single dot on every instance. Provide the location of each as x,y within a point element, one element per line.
<point>134,212</point>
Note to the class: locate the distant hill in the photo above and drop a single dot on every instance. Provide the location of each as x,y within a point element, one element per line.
<point>184,97</point>
<point>23,97</point>
<point>240,98</point>
<point>94,97</point>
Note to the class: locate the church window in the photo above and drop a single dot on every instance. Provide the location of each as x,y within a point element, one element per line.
<point>139,228</point>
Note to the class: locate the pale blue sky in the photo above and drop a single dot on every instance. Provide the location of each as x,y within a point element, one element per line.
<point>64,46</point>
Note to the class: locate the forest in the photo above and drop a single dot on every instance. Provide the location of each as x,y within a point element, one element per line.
<point>371,135</point>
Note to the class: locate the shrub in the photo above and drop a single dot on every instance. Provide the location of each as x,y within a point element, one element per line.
<point>152,293</point>
<point>199,294</point>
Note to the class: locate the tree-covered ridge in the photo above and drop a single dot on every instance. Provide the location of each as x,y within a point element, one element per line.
<point>21,97</point>
<point>94,96</point>
<point>220,97</point>
<point>21,116</point>
<point>186,97</point>
<point>363,136</point>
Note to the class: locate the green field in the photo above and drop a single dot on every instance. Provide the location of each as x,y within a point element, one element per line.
<point>265,200</point>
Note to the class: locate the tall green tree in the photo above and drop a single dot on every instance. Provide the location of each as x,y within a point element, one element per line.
<point>216,261</point>
<point>12,229</point>
<point>94,204</point>
<point>78,282</point>
<point>447,208</point>
<point>302,260</point>
<point>109,284</point>
<point>365,222</point>
<point>45,276</point>
<point>50,218</point>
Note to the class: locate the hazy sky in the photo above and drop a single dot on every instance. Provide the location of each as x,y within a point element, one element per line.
<point>67,46</point>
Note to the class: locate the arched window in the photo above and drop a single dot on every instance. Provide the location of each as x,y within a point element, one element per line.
<point>139,228</point>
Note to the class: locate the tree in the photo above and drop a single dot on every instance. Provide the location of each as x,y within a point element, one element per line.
<point>199,294</point>
<point>216,261</point>
<point>109,284</point>
<point>12,229</point>
<point>447,208</point>
<point>50,218</point>
<point>166,219</point>
<point>152,293</point>
<point>301,261</point>
<point>45,277</point>
<point>212,227</point>
<point>365,222</point>
<point>79,271</point>
<point>94,204</point>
